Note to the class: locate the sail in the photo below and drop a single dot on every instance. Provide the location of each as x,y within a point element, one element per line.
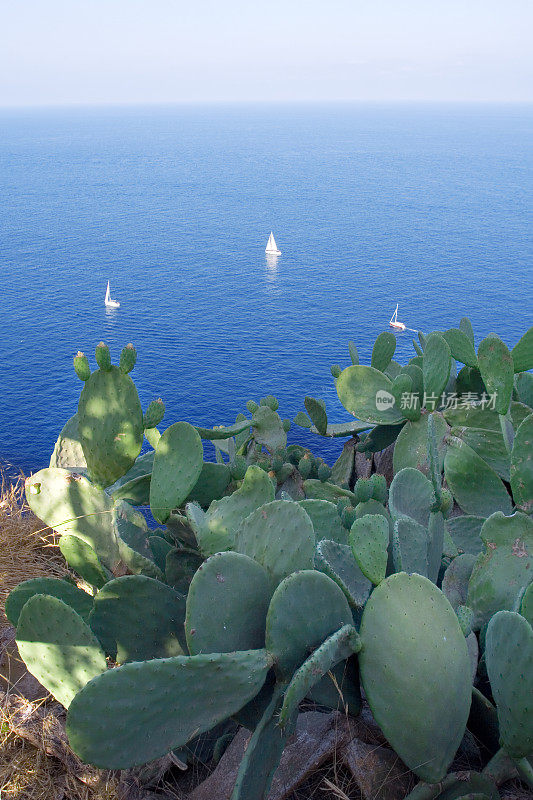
<point>395,315</point>
<point>271,244</point>
<point>107,293</point>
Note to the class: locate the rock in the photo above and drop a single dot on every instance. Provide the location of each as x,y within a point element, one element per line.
<point>378,771</point>
<point>383,463</point>
<point>363,466</point>
<point>316,738</point>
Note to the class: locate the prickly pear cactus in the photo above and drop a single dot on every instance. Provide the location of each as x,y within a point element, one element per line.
<point>110,422</point>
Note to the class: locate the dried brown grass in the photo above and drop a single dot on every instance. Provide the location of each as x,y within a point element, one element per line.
<point>28,550</point>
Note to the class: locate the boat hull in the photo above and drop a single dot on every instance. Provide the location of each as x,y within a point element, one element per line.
<point>398,326</point>
<point>273,252</point>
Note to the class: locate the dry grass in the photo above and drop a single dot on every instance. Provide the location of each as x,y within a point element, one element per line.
<point>29,551</point>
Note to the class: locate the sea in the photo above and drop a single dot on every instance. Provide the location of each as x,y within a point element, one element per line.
<point>427,206</point>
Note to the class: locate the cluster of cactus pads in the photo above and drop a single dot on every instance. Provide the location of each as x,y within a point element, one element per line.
<point>274,578</point>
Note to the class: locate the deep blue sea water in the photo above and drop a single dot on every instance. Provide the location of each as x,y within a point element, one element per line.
<point>426,206</point>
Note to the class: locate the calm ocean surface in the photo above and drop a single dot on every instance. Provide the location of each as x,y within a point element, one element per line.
<point>424,206</point>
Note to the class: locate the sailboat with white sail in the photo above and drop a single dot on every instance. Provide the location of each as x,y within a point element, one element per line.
<point>272,249</point>
<point>109,303</point>
<point>394,323</point>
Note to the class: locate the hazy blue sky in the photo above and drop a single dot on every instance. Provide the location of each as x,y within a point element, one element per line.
<point>128,51</point>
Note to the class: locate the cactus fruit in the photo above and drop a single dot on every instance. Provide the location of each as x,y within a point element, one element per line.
<point>363,490</point>
<point>58,647</point>
<point>509,657</point>
<point>81,366</point>
<point>128,358</point>
<point>140,711</point>
<point>503,568</point>
<point>293,628</point>
<point>304,466</point>
<point>78,600</point>
<point>497,371</point>
<point>337,647</point>
<point>137,618</point>
<point>103,356</point>
<point>279,536</point>
<point>369,540</point>
<point>415,671</point>
<point>379,490</point>
<point>177,466</point>
<point>348,517</point>
<point>154,414</point>
<point>217,620</point>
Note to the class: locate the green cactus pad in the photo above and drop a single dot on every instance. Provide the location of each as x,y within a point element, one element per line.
<point>69,594</point>
<point>216,434</point>
<point>177,466</point>
<point>68,452</point>
<point>354,355</point>
<point>410,547</point>
<point>466,327</point>
<point>461,347</point>
<point>524,388</point>
<point>337,647</point>
<point>489,445</point>
<point>262,753</point>
<point>437,362</point>
<point>211,485</point>
<point>456,577</point>
<point>526,606</point>
<point>81,366</point>
<point>339,689</point>
<point>411,495</point>
<point>317,490</point>
<point>317,413</point>
<point>411,449</point>
<point>293,627</point>
<point>415,671</point>
<point>383,350</point>
<point>69,503</point>
<point>497,370</point>
<point>509,656</point>
<point>503,568</point>
<point>302,420</point>
<point>280,537</point>
<point>136,491</point>
<point>268,429</point>
<point>227,605</point>
<point>522,466</point>
<point>133,545</point>
<point>103,356</point>
<point>215,530</point>
<point>367,394</point>
<point>406,400</point>
<point>180,567</point>
<point>369,540</point>
<point>465,531</point>
<point>81,557</point>
<point>475,486</point>
<point>154,414</point>
<point>338,563</point>
<point>58,647</point>
<point>160,548</point>
<point>128,359</point>
<point>522,352</point>
<point>110,421</point>
<point>137,618</point>
<point>138,712</point>
<point>325,519</point>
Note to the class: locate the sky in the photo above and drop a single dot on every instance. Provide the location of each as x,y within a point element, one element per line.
<point>64,52</point>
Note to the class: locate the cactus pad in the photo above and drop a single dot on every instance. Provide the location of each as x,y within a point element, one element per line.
<point>369,540</point>
<point>77,599</point>
<point>177,466</point>
<point>338,563</point>
<point>476,487</point>
<point>140,711</point>
<point>68,452</point>
<point>325,519</point>
<point>522,466</point>
<point>367,394</point>
<point>81,557</point>
<point>227,605</point>
<point>293,628</point>
<point>436,367</point>
<point>497,371</point>
<point>415,671</point>
<point>58,647</point>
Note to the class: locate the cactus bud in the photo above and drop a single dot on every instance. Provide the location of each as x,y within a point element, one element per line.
<point>81,366</point>
<point>335,370</point>
<point>324,472</point>
<point>128,357</point>
<point>363,490</point>
<point>154,414</point>
<point>286,425</point>
<point>379,490</point>
<point>304,466</point>
<point>252,406</point>
<point>103,357</point>
<point>446,503</point>
<point>348,517</point>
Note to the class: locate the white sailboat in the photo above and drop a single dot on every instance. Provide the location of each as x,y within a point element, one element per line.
<point>399,326</point>
<point>108,302</point>
<point>272,249</point>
